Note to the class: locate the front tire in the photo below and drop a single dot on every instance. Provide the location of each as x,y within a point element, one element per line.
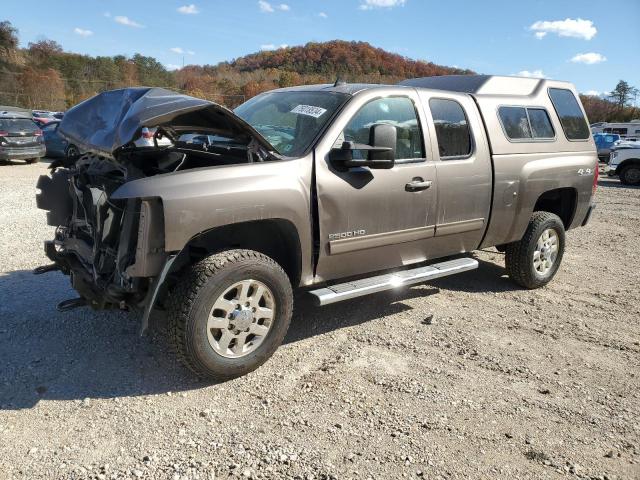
<point>32,160</point>
<point>630,175</point>
<point>229,313</point>
<point>534,260</point>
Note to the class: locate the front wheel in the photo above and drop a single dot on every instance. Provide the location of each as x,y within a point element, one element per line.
<point>229,313</point>
<point>534,260</point>
<point>630,175</point>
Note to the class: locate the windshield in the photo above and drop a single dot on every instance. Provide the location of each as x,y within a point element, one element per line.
<point>291,120</point>
<point>17,125</point>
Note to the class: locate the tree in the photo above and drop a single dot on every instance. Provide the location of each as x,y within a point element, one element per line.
<point>8,35</point>
<point>42,88</point>
<point>624,94</point>
<point>44,52</point>
<point>150,71</point>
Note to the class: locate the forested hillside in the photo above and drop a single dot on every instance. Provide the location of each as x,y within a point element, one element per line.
<point>44,76</point>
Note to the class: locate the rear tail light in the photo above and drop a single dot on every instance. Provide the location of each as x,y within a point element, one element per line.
<point>3,133</point>
<point>596,175</point>
<point>38,133</point>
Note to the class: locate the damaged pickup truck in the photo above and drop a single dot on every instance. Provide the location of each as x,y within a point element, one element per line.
<point>217,219</point>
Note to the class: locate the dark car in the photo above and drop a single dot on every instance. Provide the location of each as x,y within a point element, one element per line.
<point>56,145</point>
<point>20,138</point>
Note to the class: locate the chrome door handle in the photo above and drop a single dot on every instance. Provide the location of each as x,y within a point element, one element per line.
<point>417,185</point>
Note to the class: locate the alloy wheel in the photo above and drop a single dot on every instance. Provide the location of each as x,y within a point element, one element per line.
<point>241,318</point>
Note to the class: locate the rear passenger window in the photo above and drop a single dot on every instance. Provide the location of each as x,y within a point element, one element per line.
<point>452,128</point>
<point>521,123</point>
<point>571,118</point>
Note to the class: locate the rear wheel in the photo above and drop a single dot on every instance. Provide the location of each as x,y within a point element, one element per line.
<point>533,261</point>
<point>630,175</point>
<point>229,313</point>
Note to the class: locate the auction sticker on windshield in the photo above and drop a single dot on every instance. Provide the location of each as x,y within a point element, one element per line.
<point>309,110</point>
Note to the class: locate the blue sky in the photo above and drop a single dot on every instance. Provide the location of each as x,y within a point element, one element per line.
<point>586,42</point>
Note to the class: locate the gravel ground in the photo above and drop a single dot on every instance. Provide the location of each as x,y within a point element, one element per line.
<point>467,377</point>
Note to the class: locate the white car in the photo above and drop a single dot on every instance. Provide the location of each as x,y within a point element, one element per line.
<point>146,139</point>
<point>624,161</point>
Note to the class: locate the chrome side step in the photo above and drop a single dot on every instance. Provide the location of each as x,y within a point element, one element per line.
<point>365,286</point>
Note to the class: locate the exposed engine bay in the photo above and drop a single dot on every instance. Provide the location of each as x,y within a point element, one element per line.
<point>112,249</point>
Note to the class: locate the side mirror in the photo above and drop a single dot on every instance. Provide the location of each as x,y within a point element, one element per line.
<point>383,136</point>
<point>381,150</point>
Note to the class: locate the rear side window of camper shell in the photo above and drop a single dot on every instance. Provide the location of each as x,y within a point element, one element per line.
<point>571,117</point>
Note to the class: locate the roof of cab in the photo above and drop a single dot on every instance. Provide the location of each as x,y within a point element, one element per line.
<point>346,88</point>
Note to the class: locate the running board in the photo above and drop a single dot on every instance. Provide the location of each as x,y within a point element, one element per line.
<point>365,286</point>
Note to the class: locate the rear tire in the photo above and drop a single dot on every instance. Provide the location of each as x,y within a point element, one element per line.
<point>229,313</point>
<point>534,260</point>
<point>630,175</point>
<point>32,160</point>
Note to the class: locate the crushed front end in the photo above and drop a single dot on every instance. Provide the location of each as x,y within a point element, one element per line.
<point>110,248</point>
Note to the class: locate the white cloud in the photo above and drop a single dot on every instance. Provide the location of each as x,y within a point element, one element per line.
<point>592,93</point>
<point>82,32</point>
<point>323,15</point>
<point>371,4</point>
<point>532,74</point>
<point>265,7</point>
<point>271,46</point>
<point>182,51</point>
<point>590,58</point>
<point>172,66</point>
<point>127,21</point>
<point>190,9</point>
<point>569,27</point>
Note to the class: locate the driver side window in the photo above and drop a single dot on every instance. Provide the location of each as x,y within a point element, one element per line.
<point>399,112</point>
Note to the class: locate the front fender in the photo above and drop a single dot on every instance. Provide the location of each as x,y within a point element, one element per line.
<point>198,200</point>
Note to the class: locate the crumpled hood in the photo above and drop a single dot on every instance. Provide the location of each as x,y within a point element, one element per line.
<point>110,120</point>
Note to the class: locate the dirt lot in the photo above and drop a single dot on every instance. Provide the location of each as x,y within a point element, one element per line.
<point>469,377</point>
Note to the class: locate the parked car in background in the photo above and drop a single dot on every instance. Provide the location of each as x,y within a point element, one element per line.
<point>604,142</point>
<point>625,163</point>
<point>20,138</point>
<point>146,139</point>
<point>42,117</point>
<point>56,145</point>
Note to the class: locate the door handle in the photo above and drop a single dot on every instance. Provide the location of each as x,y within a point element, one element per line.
<point>417,184</point>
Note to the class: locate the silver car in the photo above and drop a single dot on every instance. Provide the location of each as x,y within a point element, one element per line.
<point>20,138</point>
